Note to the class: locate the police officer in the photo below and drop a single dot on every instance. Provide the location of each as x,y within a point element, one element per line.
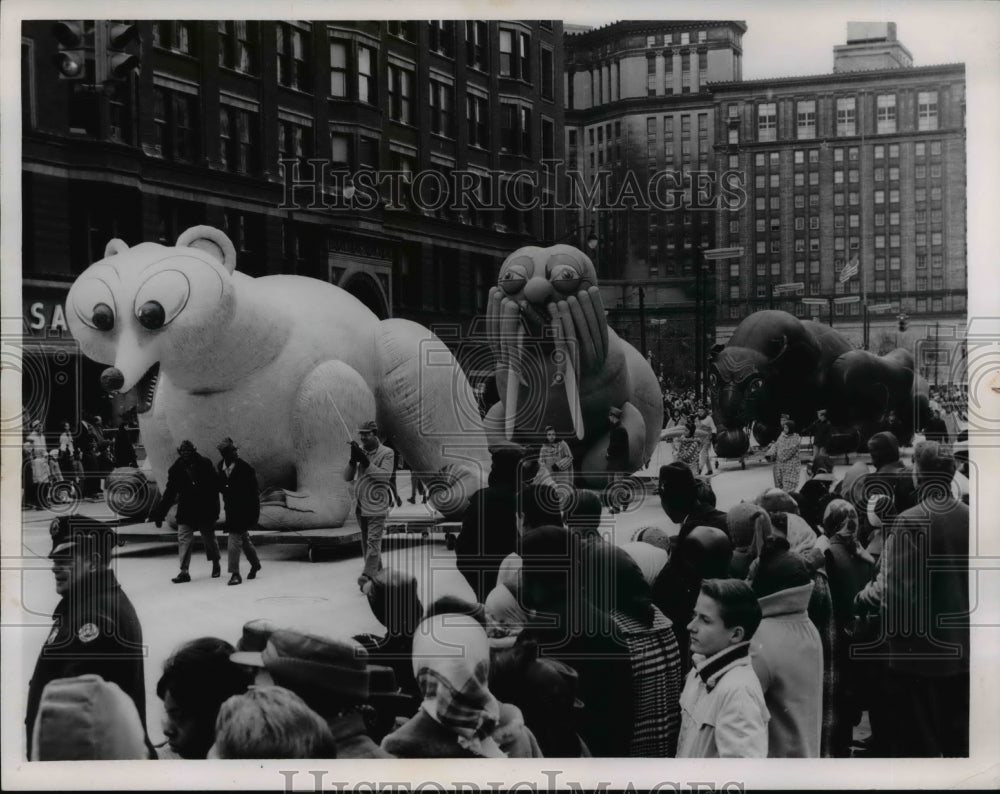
<point>95,628</point>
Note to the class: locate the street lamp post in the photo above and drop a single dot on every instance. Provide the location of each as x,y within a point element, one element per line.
<point>706,255</point>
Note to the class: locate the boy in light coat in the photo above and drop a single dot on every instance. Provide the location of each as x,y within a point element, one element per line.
<point>722,706</point>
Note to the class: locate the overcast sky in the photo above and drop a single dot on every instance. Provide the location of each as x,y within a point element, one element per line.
<point>793,37</point>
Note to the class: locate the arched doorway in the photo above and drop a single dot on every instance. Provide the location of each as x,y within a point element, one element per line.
<point>367,290</point>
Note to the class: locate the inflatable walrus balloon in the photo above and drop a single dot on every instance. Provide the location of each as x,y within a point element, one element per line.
<point>286,366</point>
<point>559,364</point>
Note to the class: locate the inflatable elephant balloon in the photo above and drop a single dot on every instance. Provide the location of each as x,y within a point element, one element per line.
<point>776,364</point>
<point>559,364</point>
<point>286,366</point>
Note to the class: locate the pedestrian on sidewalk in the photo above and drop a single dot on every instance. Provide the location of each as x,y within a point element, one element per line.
<point>371,464</point>
<point>192,483</point>
<point>241,498</point>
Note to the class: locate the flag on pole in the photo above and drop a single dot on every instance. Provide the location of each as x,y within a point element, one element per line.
<point>850,270</point>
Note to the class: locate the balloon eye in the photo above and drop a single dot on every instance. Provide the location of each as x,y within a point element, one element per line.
<point>755,386</point>
<point>161,299</point>
<point>151,315</point>
<point>103,317</point>
<point>566,279</point>
<point>513,280</point>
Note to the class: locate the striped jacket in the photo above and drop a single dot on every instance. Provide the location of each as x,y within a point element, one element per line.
<point>656,681</point>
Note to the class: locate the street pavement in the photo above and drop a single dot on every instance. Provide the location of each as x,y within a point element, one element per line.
<point>320,597</point>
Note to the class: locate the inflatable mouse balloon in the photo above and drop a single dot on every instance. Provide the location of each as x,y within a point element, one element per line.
<point>286,366</point>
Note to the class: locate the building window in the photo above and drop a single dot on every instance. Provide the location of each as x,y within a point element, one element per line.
<point>476,45</point>
<point>441,108</point>
<point>806,119</point>
<point>514,62</point>
<point>402,28</point>
<point>175,118</point>
<point>293,56</point>
<point>893,151</point>
<point>442,37</point>
<point>846,117</point>
<point>295,142</point>
<point>340,150</point>
<point>548,139</point>
<point>814,222</point>
<point>927,110</point>
<point>650,75</point>
<point>366,75</point>
<point>935,148</point>
<point>477,116</point>
<point>400,88</point>
<point>548,79</point>
<point>338,69</point>
<point>238,46</point>
<point>814,156</point>
<point>886,108</point>
<point>239,134</point>
<point>177,36</point>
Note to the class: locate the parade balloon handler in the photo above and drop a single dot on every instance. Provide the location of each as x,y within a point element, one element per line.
<point>241,497</point>
<point>191,482</point>
<point>370,465</point>
<point>95,627</point>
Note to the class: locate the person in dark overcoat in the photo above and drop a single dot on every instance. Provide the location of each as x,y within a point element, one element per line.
<point>95,628</point>
<point>241,498</point>
<point>192,483</point>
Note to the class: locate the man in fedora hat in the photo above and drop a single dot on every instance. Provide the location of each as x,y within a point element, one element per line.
<point>371,466</point>
<point>241,498</point>
<point>331,675</point>
<point>95,627</point>
<point>191,482</point>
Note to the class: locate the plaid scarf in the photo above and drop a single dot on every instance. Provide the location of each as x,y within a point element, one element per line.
<point>471,712</point>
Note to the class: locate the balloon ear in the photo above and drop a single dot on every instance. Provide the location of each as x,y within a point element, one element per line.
<point>212,241</point>
<point>115,246</point>
<point>776,347</point>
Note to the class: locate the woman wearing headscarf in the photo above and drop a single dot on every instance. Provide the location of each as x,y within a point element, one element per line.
<point>849,567</point>
<point>749,526</point>
<point>459,717</point>
<point>613,582</point>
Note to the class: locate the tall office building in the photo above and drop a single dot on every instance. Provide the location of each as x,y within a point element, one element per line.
<point>864,169</point>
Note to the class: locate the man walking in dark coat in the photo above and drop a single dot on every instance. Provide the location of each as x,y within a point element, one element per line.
<point>192,483</point>
<point>241,497</point>
<point>95,628</point>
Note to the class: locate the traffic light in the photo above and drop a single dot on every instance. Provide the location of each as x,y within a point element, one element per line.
<point>119,62</point>
<point>76,47</point>
<point>903,322</point>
